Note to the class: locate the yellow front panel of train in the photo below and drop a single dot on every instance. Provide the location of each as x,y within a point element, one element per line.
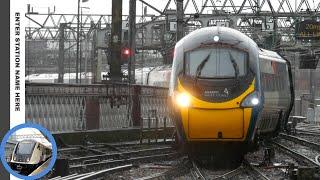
<point>216,123</point>
<point>205,120</point>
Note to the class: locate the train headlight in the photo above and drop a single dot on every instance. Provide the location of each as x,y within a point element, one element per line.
<point>251,100</point>
<point>254,101</point>
<point>183,99</point>
<point>28,159</point>
<point>216,38</point>
<point>14,158</point>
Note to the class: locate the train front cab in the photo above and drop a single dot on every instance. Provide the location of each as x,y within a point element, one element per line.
<point>28,155</point>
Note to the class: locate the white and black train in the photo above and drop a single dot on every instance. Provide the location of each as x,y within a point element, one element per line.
<point>28,155</point>
<point>226,93</point>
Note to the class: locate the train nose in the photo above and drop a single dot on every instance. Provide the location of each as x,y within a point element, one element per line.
<point>216,123</point>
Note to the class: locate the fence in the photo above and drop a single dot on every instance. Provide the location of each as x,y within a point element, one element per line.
<point>65,107</point>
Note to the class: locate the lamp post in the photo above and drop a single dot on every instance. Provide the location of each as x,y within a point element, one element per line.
<point>78,37</point>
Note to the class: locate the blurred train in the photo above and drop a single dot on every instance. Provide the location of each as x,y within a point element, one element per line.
<point>28,155</point>
<point>226,93</point>
<point>153,76</point>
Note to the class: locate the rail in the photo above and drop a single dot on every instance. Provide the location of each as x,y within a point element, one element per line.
<point>304,142</point>
<point>255,171</point>
<point>196,173</point>
<point>296,155</point>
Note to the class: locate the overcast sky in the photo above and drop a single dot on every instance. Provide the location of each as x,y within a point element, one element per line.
<point>96,6</point>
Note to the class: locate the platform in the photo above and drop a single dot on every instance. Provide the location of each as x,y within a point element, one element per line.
<point>41,167</point>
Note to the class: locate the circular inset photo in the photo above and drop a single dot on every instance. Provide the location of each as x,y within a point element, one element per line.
<point>28,151</point>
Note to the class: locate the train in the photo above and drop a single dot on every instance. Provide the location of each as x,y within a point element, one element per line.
<point>226,94</point>
<point>152,76</point>
<point>155,76</point>
<point>29,154</point>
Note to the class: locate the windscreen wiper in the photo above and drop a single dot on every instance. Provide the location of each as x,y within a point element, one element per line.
<point>235,66</point>
<point>200,67</point>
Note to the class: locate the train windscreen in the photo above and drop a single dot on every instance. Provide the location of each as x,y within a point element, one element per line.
<point>216,63</point>
<point>25,148</point>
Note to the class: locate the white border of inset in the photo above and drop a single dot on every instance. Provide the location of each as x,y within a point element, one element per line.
<point>17,62</point>
<point>17,83</point>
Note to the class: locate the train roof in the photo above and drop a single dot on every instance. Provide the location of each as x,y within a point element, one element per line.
<point>206,35</point>
<point>48,145</point>
<point>270,55</point>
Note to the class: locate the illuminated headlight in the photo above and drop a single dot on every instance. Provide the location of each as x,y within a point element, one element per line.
<point>251,100</point>
<point>15,158</point>
<point>216,38</point>
<point>28,159</point>
<point>183,99</point>
<point>254,101</point>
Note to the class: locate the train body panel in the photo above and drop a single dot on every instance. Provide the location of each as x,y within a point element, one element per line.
<point>229,124</point>
<point>275,83</point>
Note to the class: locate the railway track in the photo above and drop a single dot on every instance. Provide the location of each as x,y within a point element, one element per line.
<point>230,174</point>
<point>181,169</point>
<point>303,159</point>
<point>310,154</point>
<point>308,133</point>
<point>95,174</point>
<point>188,166</point>
<point>308,127</point>
<point>93,165</point>
<point>118,155</point>
<point>196,172</point>
<point>254,171</point>
<point>315,146</point>
<point>245,168</point>
<point>120,160</point>
<point>190,169</point>
<point>100,163</point>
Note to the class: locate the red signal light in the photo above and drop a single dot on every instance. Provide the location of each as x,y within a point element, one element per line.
<point>126,52</point>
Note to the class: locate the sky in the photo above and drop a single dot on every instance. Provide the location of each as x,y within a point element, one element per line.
<point>104,6</point>
<point>70,6</point>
